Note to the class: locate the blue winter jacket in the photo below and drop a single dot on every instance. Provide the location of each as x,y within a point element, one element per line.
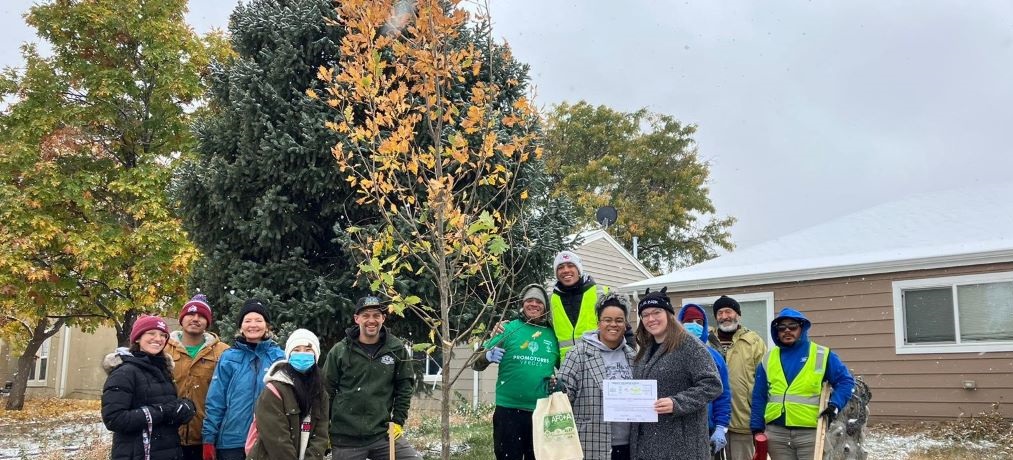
<point>719,410</point>
<point>792,359</point>
<point>235,386</point>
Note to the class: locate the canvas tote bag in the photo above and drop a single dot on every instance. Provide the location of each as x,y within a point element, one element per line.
<point>554,430</point>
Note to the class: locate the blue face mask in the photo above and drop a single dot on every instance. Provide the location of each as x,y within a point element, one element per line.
<point>301,360</point>
<point>693,328</point>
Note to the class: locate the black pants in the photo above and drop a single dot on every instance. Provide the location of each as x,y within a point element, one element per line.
<point>511,434</point>
<point>621,452</point>
<point>193,452</point>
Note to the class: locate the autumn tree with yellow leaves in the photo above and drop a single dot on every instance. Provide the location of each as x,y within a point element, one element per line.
<point>440,139</point>
<point>86,146</point>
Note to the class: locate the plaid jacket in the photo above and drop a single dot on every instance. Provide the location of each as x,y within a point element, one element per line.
<point>582,373</point>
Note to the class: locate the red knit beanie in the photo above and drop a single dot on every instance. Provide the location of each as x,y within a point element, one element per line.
<point>198,304</point>
<point>145,324</point>
<point>692,314</point>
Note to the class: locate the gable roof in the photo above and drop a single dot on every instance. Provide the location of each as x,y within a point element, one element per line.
<point>612,262</point>
<point>966,226</point>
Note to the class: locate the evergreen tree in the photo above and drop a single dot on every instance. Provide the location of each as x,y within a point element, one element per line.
<point>263,197</point>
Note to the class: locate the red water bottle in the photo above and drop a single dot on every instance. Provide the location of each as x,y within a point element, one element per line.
<point>760,446</point>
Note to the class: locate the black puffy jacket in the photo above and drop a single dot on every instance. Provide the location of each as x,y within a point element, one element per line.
<point>137,381</point>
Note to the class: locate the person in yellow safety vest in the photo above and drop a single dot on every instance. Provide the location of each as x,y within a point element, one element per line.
<point>573,301</point>
<point>786,393</point>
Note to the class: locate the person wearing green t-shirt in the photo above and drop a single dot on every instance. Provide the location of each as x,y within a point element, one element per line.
<point>195,352</point>
<point>527,353</point>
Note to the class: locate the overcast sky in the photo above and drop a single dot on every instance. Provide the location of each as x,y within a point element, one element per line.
<point>806,110</point>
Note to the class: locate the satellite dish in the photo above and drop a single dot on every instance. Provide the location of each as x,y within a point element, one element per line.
<point>606,215</point>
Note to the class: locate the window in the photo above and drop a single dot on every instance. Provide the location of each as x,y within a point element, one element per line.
<point>757,310</point>
<point>37,373</point>
<point>972,313</point>
<point>431,364</point>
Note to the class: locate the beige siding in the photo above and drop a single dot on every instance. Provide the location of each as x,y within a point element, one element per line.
<point>607,265</point>
<point>463,388</point>
<point>854,316</point>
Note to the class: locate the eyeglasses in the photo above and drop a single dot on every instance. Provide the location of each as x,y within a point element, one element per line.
<point>787,327</point>
<point>616,321</point>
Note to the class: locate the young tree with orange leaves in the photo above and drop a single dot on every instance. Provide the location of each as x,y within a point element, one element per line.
<point>439,139</point>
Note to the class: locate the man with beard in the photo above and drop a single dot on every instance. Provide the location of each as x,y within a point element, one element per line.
<point>743,350</point>
<point>370,379</point>
<point>195,353</point>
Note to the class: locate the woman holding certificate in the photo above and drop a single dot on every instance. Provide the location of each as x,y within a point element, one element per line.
<point>602,354</point>
<point>687,381</point>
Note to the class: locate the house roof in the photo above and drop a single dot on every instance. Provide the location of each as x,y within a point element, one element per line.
<point>965,226</point>
<point>587,237</point>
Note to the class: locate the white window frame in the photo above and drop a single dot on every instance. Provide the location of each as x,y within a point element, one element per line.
<point>427,377</point>
<point>952,282</point>
<point>767,297</point>
<point>43,354</point>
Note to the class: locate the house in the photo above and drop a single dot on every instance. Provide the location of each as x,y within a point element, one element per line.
<point>602,257</point>
<point>68,365</point>
<point>915,295</point>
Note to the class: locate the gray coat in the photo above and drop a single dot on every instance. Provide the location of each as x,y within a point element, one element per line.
<point>582,373</point>
<point>688,376</point>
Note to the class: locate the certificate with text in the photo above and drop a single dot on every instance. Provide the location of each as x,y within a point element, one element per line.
<point>629,400</point>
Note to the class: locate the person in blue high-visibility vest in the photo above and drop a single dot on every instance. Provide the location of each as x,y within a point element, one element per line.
<point>786,393</point>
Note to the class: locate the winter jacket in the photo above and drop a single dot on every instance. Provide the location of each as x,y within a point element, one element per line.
<point>193,378</point>
<point>688,375</point>
<point>138,381</point>
<point>792,360</point>
<point>572,311</point>
<point>235,386</point>
<point>279,426</point>
<point>719,411</point>
<point>747,352</point>
<point>367,392</point>
<point>582,374</point>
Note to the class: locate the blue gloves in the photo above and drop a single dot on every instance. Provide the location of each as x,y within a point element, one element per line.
<point>718,440</point>
<point>494,355</point>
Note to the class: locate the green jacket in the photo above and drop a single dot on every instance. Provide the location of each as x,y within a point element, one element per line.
<point>367,392</point>
<point>279,423</point>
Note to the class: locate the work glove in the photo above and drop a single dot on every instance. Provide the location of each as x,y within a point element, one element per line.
<point>495,354</point>
<point>718,440</point>
<point>395,430</point>
<point>209,452</point>
<point>830,413</point>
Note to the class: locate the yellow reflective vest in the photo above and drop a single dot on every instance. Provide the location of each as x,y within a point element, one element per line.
<point>799,402</point>
<point>566,332</point>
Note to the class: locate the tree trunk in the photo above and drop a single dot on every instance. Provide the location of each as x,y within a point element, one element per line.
<point>16,400</point>
<point>123,328</point>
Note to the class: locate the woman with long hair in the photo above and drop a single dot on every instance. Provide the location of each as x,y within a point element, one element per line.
<point>291,413</point>
<point>139,401</point>
<point>236,384</point>
<point>687,381</point>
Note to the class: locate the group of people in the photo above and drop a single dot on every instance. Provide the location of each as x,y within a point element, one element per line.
<point>187,395</point>
<point>721,393</point>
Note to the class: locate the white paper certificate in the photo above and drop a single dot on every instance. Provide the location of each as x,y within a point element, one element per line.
<point>629,400</point>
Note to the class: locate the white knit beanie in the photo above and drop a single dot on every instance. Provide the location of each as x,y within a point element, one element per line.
<point>302,337</point>
<point>567,256</point>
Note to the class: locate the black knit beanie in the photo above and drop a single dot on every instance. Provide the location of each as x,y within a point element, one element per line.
<point>726,302</point>
<point>657,299</point>
<point>253,306</point>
